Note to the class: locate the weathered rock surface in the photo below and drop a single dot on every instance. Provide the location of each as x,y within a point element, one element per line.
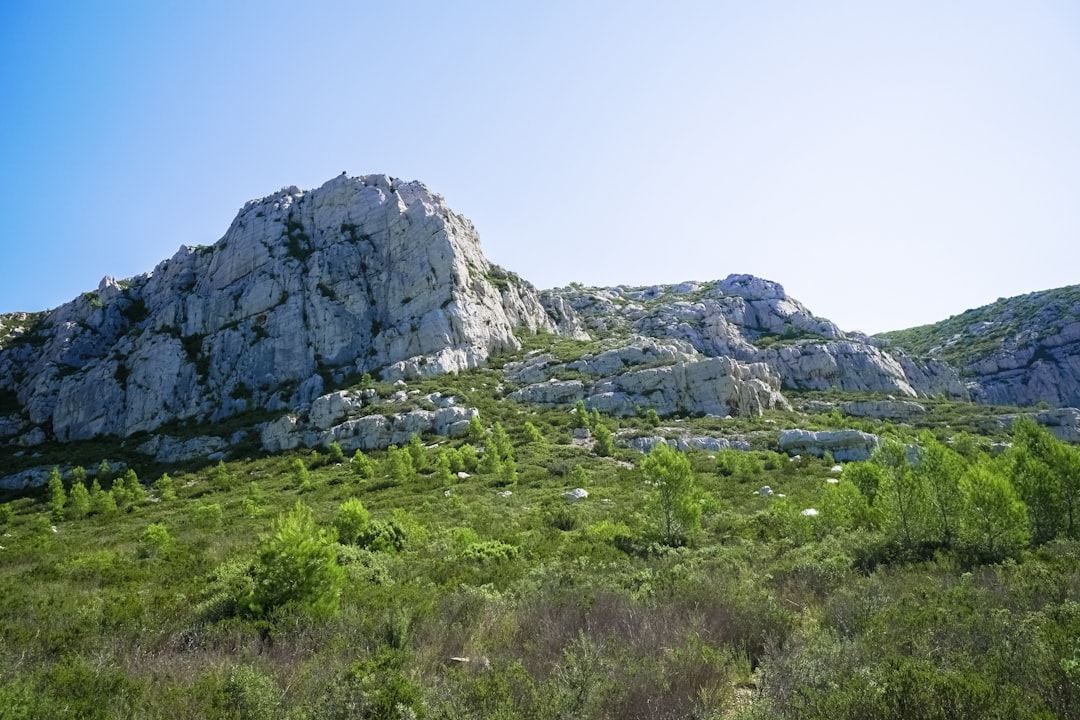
<point>167,449</point>
<point>1017,351</point>
<point>754,320</point>
<point>892,409</point>
<point>359,274</point>
<point>685,443</point>
<point>335,418</point>
<point>1064,423</point>
<point>718,386</point>
<point>843,445</point>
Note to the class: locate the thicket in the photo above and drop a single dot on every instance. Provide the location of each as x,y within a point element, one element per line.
<point>452,579</point>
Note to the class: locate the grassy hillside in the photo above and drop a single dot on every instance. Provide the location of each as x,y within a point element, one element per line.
<point>260,588</point>
<point>1008,323</point>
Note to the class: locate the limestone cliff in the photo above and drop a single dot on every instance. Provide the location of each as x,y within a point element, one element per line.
<point>754,321</point>
<point>363,273</point>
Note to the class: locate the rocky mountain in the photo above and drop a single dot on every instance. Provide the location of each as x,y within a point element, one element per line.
<point>309,290</point>
<point>751,320</point>
<point>1021,351</point>
<point>305,287</point>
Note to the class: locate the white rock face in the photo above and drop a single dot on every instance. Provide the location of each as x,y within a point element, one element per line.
<point>844,445</point>
<point>1064,423</point>
<point>894,409</point>
<point>753,320</point>
<point>688,442</point>
<point>334,418</point>
<point>718,386</point>
<point>360,274</point>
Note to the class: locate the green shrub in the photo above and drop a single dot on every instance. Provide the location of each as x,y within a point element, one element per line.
<point>57,496</point>
<point>207,515</point>
<point>301,476</point>
<point>352,521</point>
<point>362,466</point>
<point>165,487</point>
<point>296,568</point>
<point>155,541</point>
<point>220,477</point>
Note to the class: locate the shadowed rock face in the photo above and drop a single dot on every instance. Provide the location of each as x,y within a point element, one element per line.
<point>359,274</point>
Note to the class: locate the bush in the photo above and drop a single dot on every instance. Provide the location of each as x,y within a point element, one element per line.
<point>220,478</point>
<point>363,466</point>
<point>155,541</point>
<point>207,515</point>
<point>352,521</point>
<point>296,568</point>
<point>165,487</point>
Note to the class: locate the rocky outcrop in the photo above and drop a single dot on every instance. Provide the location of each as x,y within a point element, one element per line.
<point>713,386</point>
<point>710,386</point>
<point>685,443</point>
<point>754,320</point>
<point>1064,423</point>
<point>881,409</point>
<point>360,274</point>
<point>336,418</point>
<point>1022,350</point>
<point>843,445</point>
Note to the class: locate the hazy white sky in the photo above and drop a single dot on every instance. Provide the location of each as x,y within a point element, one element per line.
<point>890,163</point>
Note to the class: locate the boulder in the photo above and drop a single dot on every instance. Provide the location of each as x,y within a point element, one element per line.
<point>843,445</point>
<point>892,409</point>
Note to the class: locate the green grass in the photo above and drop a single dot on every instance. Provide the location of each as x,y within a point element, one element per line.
<point>564,610</point>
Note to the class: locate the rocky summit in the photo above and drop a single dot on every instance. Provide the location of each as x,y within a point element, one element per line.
<point>309,290</point>
<point>305,288</point>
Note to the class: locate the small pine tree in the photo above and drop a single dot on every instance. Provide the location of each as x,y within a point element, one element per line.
<point>674,498</point>
<point>444,473</point>
<point>476,430</point>
<point>165,487</point>
<point>453,455</point>
<point>155,540</point>
<point>469,460</point>
<point>398,464</point>
<point>78,475</point>
<point>135,491</point>
<point>254,500</point>
<point>579,477</point>
<point>220,477</point>
<point>490,462</point>
<point>352,521</point>
<point>301,475</point>
<point>501,446</point>
<point>57,496</point>
<point>418,453</point>
<point>104,471</point>
<point>78,504</point>
<point>101,502</point>
<point>533,435</point>
<point>581,415</point>
<point>604,445</point>
<point>594,418</point>
<point>652,419</point>
<point>336,454</point>
<point>363,466</point>
<point>297,566</point>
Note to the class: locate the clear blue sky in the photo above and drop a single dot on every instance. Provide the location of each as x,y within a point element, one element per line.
<point>891,163</point>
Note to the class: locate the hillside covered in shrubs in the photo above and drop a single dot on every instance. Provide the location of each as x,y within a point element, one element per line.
<point>541,565</point>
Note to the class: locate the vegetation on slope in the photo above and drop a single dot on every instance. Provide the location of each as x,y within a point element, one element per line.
<point>1008,323</point>
<point>452,579</point>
